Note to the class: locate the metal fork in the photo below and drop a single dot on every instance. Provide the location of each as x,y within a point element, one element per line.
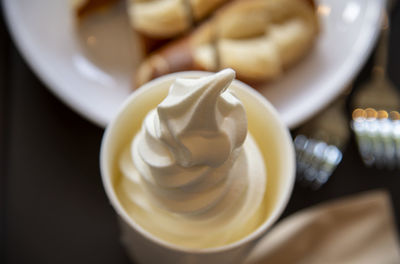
<point>319,144</point>
<point>375,120</point>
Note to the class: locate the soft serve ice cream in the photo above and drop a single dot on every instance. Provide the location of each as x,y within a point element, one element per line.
<point>193,175</point>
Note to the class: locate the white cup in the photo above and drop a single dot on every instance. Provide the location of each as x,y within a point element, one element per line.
<point>271,135</point>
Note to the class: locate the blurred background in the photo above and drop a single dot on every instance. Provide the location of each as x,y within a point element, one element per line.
<point>52,205</point>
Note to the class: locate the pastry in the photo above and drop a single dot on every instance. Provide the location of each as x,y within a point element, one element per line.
<point>259,39</point>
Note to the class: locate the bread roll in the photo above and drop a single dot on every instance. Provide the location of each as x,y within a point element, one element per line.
<point>259,39</point>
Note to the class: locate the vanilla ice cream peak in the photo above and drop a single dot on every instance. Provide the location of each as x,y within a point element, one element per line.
<point>201,122</point>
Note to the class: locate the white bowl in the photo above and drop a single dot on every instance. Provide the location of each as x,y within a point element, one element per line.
<point>91,71</point>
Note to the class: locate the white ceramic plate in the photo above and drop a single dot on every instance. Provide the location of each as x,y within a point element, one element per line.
<point>90,70</point>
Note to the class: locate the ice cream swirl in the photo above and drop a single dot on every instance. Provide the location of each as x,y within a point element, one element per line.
<point>192,168</point>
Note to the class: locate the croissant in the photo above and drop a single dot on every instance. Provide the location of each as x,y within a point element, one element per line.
<point>259,39</point>
<point>158,21</point>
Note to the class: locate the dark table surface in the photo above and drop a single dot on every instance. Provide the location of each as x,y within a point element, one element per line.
<point>53,207</point>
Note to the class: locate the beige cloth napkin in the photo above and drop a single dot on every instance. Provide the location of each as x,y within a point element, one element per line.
<point>359,229</point>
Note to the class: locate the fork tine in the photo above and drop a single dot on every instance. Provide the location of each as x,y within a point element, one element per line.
<point>396,137</point>
<point>387,139</point>
<point>360,127</point>
<point>300,143</point>
<point>395,120</point>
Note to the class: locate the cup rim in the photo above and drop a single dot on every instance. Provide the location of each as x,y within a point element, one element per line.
<point>121,212</point>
